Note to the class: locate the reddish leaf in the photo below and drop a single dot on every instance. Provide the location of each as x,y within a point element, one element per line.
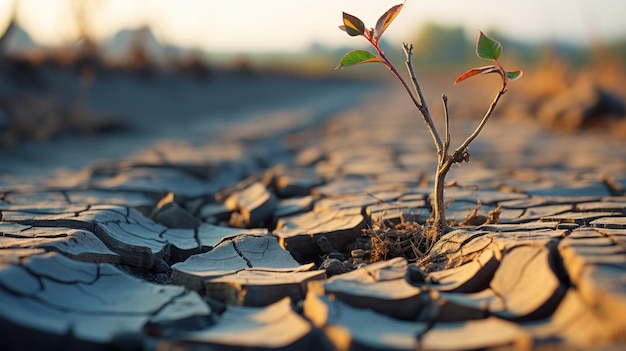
<point>356,57</point>
<point>385,20</point>
<point>352,25</point>
<point>475,71</point>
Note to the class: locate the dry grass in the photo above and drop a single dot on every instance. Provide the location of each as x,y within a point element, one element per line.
<point>475,218</point>
<point>415,241</point>
<point>407,239</point>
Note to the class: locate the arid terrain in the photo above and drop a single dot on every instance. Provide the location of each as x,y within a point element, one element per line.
<point>212,209</point>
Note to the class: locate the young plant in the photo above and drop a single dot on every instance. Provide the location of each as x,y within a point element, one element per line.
<point>486,48</point>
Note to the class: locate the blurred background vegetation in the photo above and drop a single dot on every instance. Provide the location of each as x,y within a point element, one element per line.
<point>33,111</point>
<point>437,47</point>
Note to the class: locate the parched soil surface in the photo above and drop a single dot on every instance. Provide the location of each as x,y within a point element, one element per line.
<point>255,239</point>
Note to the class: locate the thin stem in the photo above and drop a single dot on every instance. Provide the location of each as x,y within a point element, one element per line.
<point>440,224</point>
<point>399,77</point>
<point>480,126</point>
<point>446,160</point>
<point>424,110</point>
<point>446,120</point>
<point>408,52</point>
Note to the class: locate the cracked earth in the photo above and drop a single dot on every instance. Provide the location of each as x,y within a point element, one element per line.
<point>257,243</point>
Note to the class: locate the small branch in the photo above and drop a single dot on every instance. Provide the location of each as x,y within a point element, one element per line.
<point>459,153</point>
<point>393,70</point>
<point>408,52</point>
<point>446,120</point>
<point>423,107</point>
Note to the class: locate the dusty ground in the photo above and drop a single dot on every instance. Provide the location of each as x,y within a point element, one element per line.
<point>226,210</point>
<point>52,107</point>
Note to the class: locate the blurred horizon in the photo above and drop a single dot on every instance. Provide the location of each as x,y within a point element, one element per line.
<point>252,27</point>
<point>123,69</point>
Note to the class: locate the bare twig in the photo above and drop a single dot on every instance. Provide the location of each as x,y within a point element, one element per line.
<point>408,48</point>
<point>458,152</point>
<point>446,120</point>
<point>395,72</point>
<point>408,52</point>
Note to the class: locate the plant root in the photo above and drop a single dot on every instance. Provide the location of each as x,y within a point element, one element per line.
<point>410,240</point>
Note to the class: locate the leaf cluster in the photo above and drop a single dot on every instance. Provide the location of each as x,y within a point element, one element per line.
<point>486,47</point>
<point>490,49</point>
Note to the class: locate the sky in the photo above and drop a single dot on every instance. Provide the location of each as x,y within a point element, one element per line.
<point>293,25</point>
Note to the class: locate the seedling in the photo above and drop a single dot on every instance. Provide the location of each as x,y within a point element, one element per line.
<point>486,48</point>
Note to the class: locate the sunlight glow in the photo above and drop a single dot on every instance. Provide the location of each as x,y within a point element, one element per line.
<point>287,25</point>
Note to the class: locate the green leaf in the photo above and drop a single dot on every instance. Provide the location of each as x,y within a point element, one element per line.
<point>353,26</point>
<point>356,57</point>
<point>513,75</point>
<point>488,48</point>
<point>385,20</point>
